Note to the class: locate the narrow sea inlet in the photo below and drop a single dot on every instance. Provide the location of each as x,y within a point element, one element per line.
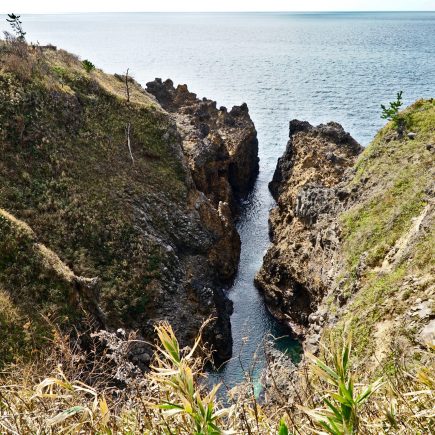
<point>283,66</point>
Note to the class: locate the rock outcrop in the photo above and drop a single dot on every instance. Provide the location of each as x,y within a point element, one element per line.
<point>221,150</point>
<point>297,268</point>
<point>352,239</point>
<point>221,146</point>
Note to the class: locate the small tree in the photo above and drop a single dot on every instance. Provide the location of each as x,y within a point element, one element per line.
<point>17,26</point>
<point>88,65</point>
<point>392,114</point>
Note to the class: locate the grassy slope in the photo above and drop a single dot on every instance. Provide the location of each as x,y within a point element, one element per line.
<point>65,170</point>
<point>31,276</point>
<point>396,176</point>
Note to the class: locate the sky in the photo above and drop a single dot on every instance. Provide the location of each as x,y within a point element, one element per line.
<point>60,6</point>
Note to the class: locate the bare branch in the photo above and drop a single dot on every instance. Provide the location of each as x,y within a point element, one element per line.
<point>129,141</point>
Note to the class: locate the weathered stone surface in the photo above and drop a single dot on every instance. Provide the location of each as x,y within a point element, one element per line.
<point>299,266</point>
<point>221,146</point>
<point>221,153</point>
<point>427,334</point>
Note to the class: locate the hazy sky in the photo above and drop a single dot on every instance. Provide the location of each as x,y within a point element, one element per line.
<point>47,6</point>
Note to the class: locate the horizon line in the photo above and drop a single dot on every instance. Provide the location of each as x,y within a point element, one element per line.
<point>222,12</point>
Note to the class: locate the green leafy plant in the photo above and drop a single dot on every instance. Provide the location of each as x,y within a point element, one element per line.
<point>88,65</point>
<point>174,375</point>
<point>340,415</point>
<point>283,428</point>
<point>391,113</point>
<point>16,24</point>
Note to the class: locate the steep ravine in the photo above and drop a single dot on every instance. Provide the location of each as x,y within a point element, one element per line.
<point>353,239</point>
<point>221,151</point>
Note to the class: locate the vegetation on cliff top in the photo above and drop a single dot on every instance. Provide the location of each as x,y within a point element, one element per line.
<point>65,170</point>
<point>35,285</point>
<point>389,239</point>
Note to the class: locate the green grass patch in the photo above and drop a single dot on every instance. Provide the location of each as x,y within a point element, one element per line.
<point>396,176</point>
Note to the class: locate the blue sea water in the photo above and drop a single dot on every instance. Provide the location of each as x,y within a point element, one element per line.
<point>312,66</point>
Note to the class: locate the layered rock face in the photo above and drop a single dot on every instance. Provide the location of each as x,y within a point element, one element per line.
<point>221,151</point>
<point>307,185</point>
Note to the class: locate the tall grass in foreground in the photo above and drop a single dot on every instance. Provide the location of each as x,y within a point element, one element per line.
<point>51,397</point>
<point>342,404</point>
<point>184,406</point>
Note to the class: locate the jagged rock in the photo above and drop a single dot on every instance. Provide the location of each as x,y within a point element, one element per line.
<point>221,150</point>
<point>313,201</point>
<point>221,146</point>
<point>352,237</point>
<point>275,376</point>
<point>297,268</point>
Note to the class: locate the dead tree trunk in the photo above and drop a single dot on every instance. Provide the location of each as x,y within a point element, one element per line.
<point>128,128</point>
<point>129,141</point>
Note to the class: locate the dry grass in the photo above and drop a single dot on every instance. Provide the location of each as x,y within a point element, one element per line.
<point>73,392</point>
<point>22,226</point>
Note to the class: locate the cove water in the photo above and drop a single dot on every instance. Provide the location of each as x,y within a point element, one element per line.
<point>315,66</point>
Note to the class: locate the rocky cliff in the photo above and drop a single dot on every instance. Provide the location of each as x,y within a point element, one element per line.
<point>221,148</point>
<point>136,197</point>
<point>306,185</point>
<point>353,238</point>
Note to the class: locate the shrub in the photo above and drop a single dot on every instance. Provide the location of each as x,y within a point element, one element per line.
<point>174,374</point>
<point>392,114</point>
<point>88,65</point>
<point>342,406</point>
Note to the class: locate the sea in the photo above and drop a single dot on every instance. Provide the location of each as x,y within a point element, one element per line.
<point>317,67</point>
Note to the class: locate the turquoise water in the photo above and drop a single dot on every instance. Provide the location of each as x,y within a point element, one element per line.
<point>316,67</point>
